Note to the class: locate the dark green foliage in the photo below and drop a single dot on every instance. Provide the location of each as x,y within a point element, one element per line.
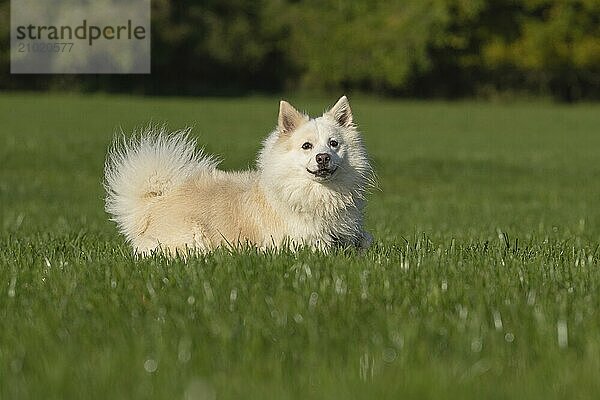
<point>419,48</point>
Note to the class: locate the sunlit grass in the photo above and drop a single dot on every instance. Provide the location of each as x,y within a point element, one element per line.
<point>483,282</point>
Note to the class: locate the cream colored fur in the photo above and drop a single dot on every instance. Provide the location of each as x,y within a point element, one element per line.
<point>165,195</point>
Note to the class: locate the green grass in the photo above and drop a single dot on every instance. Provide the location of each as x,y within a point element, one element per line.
<point>484,281</point>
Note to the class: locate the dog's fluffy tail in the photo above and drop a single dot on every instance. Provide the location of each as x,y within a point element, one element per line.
<point>149,165</point>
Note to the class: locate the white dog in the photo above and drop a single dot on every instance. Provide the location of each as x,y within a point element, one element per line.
<point>309,188</point>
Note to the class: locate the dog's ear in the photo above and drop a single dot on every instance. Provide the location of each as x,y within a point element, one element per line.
<point>341,113</point>
<point>289,119</point>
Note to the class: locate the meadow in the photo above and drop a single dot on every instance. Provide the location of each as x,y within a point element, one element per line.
<point>483,282</point>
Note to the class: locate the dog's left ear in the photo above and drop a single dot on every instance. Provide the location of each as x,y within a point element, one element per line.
<point>289,118</point>
<point>341,113</point>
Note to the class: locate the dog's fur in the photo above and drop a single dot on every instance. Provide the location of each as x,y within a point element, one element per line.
<point>166,195</point>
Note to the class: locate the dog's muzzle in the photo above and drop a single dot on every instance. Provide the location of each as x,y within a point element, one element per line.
<point>323,172</point>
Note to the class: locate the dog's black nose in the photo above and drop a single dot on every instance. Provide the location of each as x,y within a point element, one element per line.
<point>323,159</point>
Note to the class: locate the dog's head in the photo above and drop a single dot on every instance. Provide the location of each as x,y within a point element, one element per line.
<point>326,150</point>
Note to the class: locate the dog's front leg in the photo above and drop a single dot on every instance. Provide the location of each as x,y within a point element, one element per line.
<point>365,241</point>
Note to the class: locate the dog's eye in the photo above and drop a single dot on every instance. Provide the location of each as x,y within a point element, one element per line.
<point>333,143</point>
<point>307,146</point>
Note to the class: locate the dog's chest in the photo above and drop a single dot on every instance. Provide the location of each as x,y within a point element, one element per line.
<point>312,228</point>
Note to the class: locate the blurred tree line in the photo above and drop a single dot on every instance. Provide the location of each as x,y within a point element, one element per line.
<point>417,48</point>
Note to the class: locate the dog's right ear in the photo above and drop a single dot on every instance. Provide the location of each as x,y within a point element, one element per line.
<point>289,119</point>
